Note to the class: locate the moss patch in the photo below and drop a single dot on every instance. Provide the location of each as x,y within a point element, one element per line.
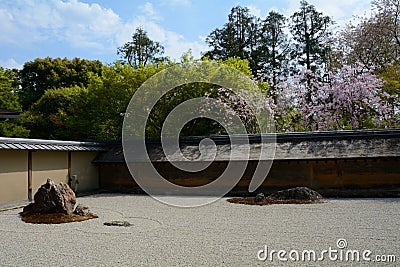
<point>54,218</point>
<point>250,201</point>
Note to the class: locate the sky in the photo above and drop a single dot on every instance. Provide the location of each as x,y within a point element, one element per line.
<point>94,29</point>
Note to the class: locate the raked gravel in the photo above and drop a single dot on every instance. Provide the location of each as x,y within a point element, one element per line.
<point>218,234</point>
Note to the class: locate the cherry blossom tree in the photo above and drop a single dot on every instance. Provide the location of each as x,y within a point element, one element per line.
<point>255,112</point>
<point>351,98</point>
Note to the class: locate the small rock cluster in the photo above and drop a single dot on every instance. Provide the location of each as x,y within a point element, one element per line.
<point>297,193</point>
<point>259,198</point>
<point>118,223</point>
<point>302,194</point>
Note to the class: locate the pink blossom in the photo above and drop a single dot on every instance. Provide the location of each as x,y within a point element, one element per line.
<point>350,99</point>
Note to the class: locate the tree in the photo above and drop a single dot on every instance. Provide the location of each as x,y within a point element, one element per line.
<point>108,98</point>
<point>375,44</point>
<point>40,75</point>
<point>375,41</point>
<point>49,117</point>
<point>391,75</point>
<point>248,106</point>
<point>190,68</point>
<point>141,50</point>
<point>310,30</point>
<point>352,99</point>
<point>92,112</point>
<point>273,50</point>
<point>236,39</point>
<point>388,17</point>
<point>9,100</point>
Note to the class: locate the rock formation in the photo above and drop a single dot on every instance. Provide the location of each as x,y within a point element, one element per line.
<point>55,203</point>
<point>297,193</point>
<point>53,198</point>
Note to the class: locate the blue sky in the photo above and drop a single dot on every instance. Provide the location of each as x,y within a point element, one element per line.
<point>94,29</point>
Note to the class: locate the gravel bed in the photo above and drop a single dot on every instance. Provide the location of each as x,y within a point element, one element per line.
<point>218,234</point>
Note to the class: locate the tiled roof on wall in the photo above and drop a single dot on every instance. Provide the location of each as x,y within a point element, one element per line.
<point>49,145</point>
<point>289,146</point>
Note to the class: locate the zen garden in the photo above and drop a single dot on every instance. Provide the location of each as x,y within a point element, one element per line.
<point>278,146</point>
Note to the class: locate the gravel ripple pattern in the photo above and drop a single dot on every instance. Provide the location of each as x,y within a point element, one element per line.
<point>218,234</point>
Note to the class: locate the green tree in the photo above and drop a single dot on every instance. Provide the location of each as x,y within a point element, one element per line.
<point>391,75</point>
<point>236,39</point>
<point>9,100</point>
<point>310,31</point>
<point>141,50</point>
<point>92,112</point>
<point>97,110</point>
<point>108,98</point>
<point>40,75</point>
<point>274,48</point>
<point>198,126</point>
<point>50,117</point>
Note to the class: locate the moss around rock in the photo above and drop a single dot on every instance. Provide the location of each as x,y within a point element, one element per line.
<point>54,218</point>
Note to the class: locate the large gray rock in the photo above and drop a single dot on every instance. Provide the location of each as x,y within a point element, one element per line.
<point>297,193</point>
<point>53,198</point>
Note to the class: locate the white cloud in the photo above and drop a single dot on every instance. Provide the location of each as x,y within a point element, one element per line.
<point>255,11</point>
<point>340,10</point>
<point>203,38</point>
<point>8,29</point>
<point>79,24</point>
<point>87,27</point>
<point>149,11</point>
<point>175,44</point>
<point>84,25</point>
<point>185,3</point>
<point>10,64</point>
